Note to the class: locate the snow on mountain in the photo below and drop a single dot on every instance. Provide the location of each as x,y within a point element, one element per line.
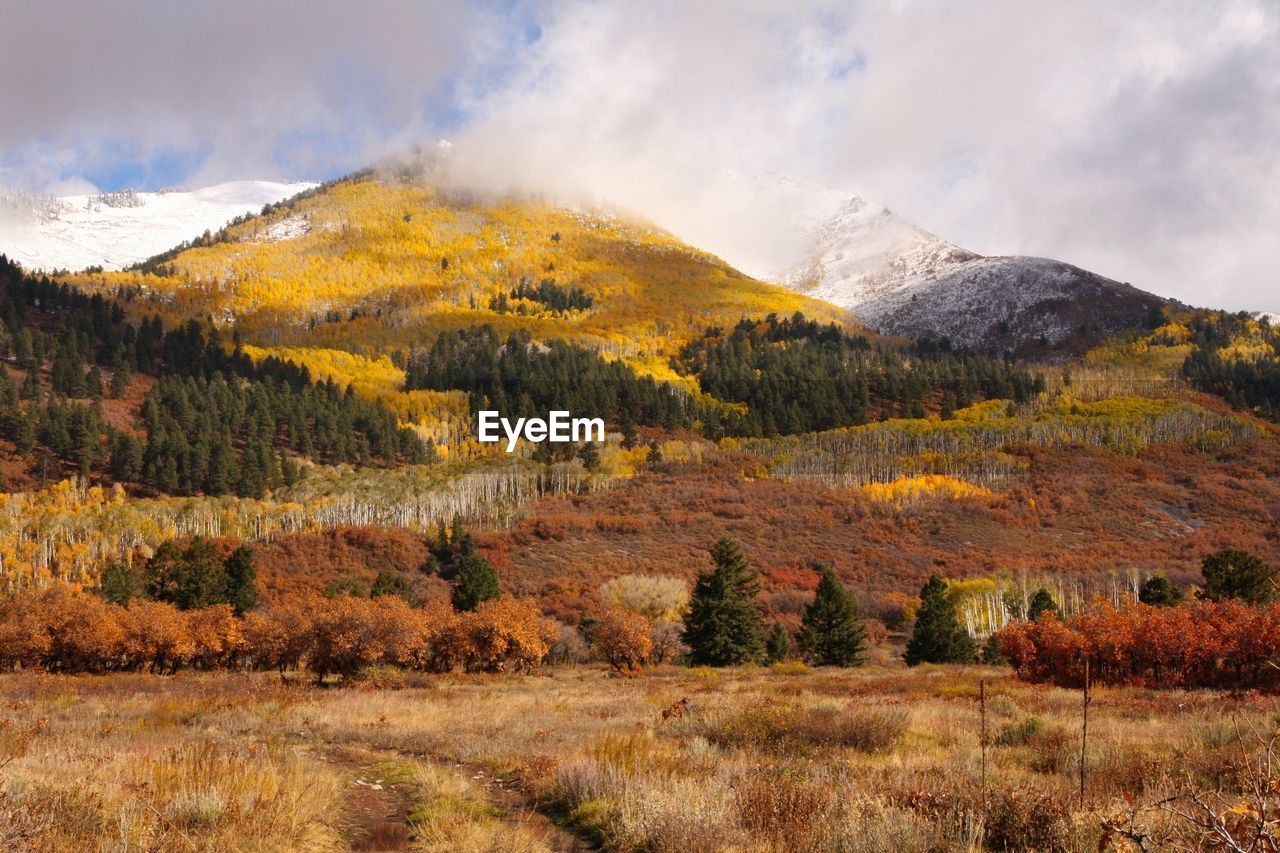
<point>116,230</point>
<point>903,280</point>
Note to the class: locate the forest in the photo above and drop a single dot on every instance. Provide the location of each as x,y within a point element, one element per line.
<point>796,375</point>
<point>212,421</point>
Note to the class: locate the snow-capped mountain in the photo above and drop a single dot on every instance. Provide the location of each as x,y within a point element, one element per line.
<point>116,230</point>
<point>900,279</point>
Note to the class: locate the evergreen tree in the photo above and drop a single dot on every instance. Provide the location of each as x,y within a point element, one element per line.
<point>724,626</point>
<point>189,578</point>
<point>833,633</point>
<point>126,458</point>
<point>654,457</point>
<point>121,374</point>
<point>477,582</point>
<point>1042,602</point>
<point>1158,591</point>
<point>390,583</point>
<point>120,583</point>
<point>777,646</point>
<point>629,435</point>
<point>1240,575</point>
<point>938,636</point>
<point>93,383</point>
<point>241,575</point>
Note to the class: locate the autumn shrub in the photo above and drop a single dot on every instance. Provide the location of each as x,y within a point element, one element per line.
<point>501,635</point>
<point>279,636</point>
<point>60,629</point>
<point>624,639</point>
<point>1027,820</point>
<point>783,807</point>
<point>1223,645</point>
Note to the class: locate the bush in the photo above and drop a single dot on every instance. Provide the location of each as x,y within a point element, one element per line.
<point>792,727</point>
<point>1025,820</point>
<point>624,639</point>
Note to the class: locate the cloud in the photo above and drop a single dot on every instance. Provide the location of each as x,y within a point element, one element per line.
<point>227,88</point>
<point>1138,139</point>
<point>1141,139</point>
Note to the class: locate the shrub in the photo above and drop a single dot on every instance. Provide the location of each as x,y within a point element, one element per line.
<point>624,639</point>
<point>791,727</point>
<point>1025,820</point>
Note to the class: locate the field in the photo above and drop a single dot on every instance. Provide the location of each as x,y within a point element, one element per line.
<point>881,758</point>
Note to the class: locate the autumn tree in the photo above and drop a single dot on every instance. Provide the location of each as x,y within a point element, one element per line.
<point>1239,575</point>
<point>938,636</point>
<point>833,634</point>
<point>624,640</point>
<point>724,626</point>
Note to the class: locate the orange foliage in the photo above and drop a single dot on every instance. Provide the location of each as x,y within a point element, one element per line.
<point>625,639</point>
<point>60,629</point>
<point>1223,645</point>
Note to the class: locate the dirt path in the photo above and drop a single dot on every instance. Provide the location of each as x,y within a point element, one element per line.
<point>377,809</point>
<point>521,808</point>
<point>379,804</point>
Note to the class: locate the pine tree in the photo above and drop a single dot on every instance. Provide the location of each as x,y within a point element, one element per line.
<point>724,626</point>
<point>654,457</point>
<point>241,589</point>
<point>1158,591</point>
<point>629,435</point>
<point>1239,575</point>
<point>833,633</point>
<point>777,646</point>
<point>390,583</point>
<point>1042,602</point>
<point>120,583</point>
<point>938,636</point>
<point>121,374</point>
<point>477,582</point>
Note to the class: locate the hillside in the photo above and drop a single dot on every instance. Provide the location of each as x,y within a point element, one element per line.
<point>119,229</point>
<point>368,265</point>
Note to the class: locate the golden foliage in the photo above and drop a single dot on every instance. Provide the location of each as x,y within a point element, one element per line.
<point>911,490</point>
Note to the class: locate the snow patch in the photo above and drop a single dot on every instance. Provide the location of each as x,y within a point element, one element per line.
<point>117,230</point>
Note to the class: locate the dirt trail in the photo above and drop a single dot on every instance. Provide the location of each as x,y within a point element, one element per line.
<point>378,808</point>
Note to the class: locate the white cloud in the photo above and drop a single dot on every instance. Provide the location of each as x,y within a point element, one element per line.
<point>1139,139</point>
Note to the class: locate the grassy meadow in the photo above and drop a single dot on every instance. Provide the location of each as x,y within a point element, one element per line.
<point>570,758</point>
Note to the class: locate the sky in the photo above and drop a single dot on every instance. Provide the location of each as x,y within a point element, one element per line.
<point>1139,139</point>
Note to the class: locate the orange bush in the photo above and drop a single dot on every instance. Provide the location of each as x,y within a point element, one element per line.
<point>625,639</point>
<point>1224,645</point>
<point>60,629</point>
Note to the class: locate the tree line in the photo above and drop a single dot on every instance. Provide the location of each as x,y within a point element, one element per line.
<point>519,378</point>
<point>796,375</point>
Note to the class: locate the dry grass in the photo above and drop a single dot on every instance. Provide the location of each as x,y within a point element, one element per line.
<point>876,759</point>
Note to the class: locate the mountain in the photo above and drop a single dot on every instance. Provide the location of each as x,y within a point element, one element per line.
<point>116,230</point>
<point>902,280</point>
